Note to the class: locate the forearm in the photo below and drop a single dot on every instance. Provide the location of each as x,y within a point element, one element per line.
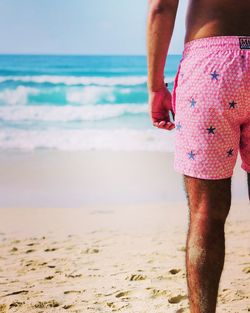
<point>160,25</point>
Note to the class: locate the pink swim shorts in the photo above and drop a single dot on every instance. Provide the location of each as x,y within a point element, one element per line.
<point>211,101</point>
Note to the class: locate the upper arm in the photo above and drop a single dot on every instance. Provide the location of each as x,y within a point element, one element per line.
<point>162,5</point>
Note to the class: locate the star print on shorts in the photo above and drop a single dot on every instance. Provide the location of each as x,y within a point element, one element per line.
<point>211,102</point>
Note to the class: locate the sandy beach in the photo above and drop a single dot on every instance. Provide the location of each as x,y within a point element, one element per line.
<point>93,215</point>
<point>70,243</point>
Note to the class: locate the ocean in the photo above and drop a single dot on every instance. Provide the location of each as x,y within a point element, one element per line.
<point>79,103</point>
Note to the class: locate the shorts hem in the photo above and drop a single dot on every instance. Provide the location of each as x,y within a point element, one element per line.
<point>192,174</point>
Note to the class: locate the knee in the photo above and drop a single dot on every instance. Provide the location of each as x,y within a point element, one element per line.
<point>205,232</point>
<point>214,215</point>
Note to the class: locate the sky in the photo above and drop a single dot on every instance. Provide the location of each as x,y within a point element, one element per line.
<point>104,27</point>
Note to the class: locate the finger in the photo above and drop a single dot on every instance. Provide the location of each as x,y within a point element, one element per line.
<point>172,127</point>
<point>159,122</point>
<point>162,123</point>
<point>169,126</point>
<point>165,125</point>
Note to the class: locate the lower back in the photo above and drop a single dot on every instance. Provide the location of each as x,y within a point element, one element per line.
<point>207,18</point>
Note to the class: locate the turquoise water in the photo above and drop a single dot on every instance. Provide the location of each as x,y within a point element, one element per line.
<point>43,96</point>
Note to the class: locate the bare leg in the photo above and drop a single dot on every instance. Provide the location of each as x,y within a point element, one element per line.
<point>209,202</point>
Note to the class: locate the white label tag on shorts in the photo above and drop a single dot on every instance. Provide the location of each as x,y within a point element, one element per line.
<point>244,42</point>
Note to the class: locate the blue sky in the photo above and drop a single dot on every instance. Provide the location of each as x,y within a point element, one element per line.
<point>79,27</point>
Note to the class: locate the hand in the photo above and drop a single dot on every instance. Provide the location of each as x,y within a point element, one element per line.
<point>160,104</point>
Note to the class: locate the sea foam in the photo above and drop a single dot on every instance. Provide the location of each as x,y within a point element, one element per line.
<point>82,80</point>
<point>76,140</point>
<point>69,112</point>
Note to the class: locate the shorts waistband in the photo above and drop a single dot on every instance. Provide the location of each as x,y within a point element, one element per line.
<point>236,43</point>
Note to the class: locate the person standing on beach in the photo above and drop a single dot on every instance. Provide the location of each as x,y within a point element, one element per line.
<point>210,106</point>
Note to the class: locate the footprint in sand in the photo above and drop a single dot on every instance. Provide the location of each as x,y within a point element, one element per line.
<point>3,308</point>
<point>150,261</point>
<point>73,275</point>
<point>91,251</point>
<point>123,294</point>
<point>31,262</point>
<point>177,299</point>
<point>73,291</point>
<point>158,292</point>
<point>111,305</point>
<point>16,304</point>
<point>49,277</point>
<point>14,249</point>
<point>68,306</point>
<point>229,294</point>
<point>162,277</point>
<point>246,270</point>
<point>47,304</point>
<point>240,294</point>
<point>16,293</point>
<point>115,307</point>
<point>50,249</point>
<point>30,250</point>
<point>174,271</point>
<point>135,277</point>
<point>16,241</point>
<point>42,264</point>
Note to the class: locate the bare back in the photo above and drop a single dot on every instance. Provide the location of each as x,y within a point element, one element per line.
<point>207,18</point>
